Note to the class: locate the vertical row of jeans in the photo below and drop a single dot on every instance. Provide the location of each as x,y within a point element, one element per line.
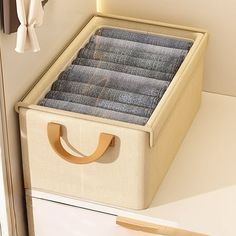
<point>119,74</point>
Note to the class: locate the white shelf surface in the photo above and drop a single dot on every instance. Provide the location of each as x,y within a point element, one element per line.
<point>199,191</point>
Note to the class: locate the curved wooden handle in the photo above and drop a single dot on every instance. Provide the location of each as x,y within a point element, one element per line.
<point>153,228</point>
<point>54,135</point>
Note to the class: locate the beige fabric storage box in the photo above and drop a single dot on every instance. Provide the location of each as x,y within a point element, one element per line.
<point>130,171</point>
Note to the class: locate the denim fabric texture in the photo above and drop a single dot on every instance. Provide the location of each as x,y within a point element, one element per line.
<point>94,111</point>
<point>102,103</point>
<point>136,46</point>
<point>123,68</point>
<point>164,64</point>
<point>146,38</point>
<point>113,47</point>
<point>105,93</point>
<point>119,74</point>
<point>113,79</point>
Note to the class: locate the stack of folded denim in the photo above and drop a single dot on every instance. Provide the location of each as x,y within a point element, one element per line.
<point>119,74</point>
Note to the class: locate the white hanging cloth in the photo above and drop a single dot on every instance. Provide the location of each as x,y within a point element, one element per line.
<point>30,14</point>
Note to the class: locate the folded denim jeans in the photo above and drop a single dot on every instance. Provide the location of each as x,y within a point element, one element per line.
<point>119,75</point>
<point>113,79</point>
<point>94,111</point>
<point>124,69</point>
<point>147,38</point>
<point>164,64</point>
<point>136,46</point>
<point>102,103</point>
<point>113,48</point>
<point>105,93</point>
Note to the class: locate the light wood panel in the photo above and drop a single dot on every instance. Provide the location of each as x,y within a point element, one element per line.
<point>146,227</point>
<point>6,201</point>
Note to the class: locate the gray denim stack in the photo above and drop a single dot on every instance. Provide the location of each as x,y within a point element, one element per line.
<point>119,74</point>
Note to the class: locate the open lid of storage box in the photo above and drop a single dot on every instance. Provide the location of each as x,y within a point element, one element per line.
<point>171,96</point>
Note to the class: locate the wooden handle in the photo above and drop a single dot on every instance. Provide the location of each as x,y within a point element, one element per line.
<point>153,228</point>
<point>54,135</point>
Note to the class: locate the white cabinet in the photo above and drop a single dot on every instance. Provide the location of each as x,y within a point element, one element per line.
<point>48,218</point>
<point>52,218</point>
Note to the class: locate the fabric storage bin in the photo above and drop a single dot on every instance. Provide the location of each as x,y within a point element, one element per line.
<point>130,160</point>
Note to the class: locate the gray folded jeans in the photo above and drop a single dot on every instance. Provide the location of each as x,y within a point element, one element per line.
<point>164,64</point>
<point>98,102</point>
<point>105,93</point>
<point>124,68</point>
<point>133,52</point>
<point>147,38</point>
<point>136,46</point>
<point>94,111</point>
<point>113,79</point>
<point>119,75</point>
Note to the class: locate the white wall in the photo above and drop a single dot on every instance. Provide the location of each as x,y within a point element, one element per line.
<point>62,20</point>
<point>217,16</point>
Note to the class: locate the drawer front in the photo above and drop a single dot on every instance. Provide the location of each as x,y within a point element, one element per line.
<point>49,218</point>
<point>116,178</point>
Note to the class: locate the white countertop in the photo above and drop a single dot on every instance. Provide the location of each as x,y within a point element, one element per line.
<point>199,191</point>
